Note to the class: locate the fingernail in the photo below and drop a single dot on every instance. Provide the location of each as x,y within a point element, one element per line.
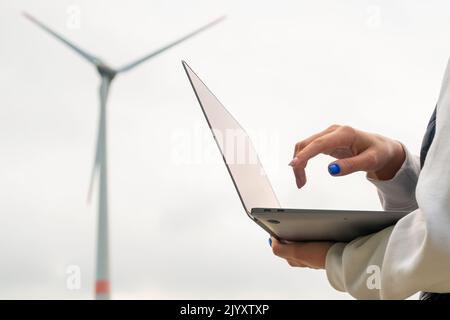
<point>334,169</point>
<point>270,241</point>
<point>293,162</point>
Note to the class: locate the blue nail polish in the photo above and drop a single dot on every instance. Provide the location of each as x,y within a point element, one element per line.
<point>270,241</point>
<point>334,169</point>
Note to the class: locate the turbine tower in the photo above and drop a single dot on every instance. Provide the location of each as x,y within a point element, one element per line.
<point>100,167</point>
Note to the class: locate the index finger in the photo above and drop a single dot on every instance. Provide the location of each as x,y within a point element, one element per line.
<point>329,141</point>
<point>302,144</point>
<point>285,250</point>
<point>332,140</point>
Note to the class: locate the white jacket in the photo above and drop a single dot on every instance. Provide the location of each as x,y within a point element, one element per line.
<point>413,255</point>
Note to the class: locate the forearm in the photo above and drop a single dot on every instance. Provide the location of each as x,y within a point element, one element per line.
<point>354,267</point>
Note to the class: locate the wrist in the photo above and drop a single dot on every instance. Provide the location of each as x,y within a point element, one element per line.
<point>390,169</point>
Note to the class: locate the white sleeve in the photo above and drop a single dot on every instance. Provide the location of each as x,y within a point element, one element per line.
<point>398,194</point>
<point>414,255</point>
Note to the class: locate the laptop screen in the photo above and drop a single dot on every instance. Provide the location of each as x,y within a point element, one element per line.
<point>237,150</point>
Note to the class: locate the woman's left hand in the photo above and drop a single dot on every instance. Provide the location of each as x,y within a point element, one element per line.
<point>302,254</point>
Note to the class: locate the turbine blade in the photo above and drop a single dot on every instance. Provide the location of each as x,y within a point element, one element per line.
<point>80,51</point>
<point>95,168</point>
<point>170,45</point>
<point>99,150</point>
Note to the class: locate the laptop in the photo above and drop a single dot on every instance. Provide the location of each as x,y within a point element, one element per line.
<point>257,195</point>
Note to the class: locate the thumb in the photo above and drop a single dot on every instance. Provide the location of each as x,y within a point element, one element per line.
<point>365,161</point>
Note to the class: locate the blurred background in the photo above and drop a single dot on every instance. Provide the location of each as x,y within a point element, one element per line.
<point>285,69</point>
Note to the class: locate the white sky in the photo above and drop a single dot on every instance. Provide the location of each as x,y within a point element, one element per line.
<point>285,69</point>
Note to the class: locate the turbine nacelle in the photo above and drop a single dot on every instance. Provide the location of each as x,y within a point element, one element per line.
<point>105,70</point>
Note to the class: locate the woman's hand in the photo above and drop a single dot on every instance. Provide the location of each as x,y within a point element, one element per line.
<point>302,254</point>
<point>356,150</point>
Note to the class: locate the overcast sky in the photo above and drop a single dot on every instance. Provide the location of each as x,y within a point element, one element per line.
<point>285,69</point>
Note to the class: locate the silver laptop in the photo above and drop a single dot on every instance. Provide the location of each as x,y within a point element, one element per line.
<point>256,193</point>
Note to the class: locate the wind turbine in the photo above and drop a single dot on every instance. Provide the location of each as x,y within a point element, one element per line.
<point>107,74</point>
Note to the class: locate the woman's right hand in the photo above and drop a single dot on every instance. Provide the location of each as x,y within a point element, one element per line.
<point>355,150</point>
